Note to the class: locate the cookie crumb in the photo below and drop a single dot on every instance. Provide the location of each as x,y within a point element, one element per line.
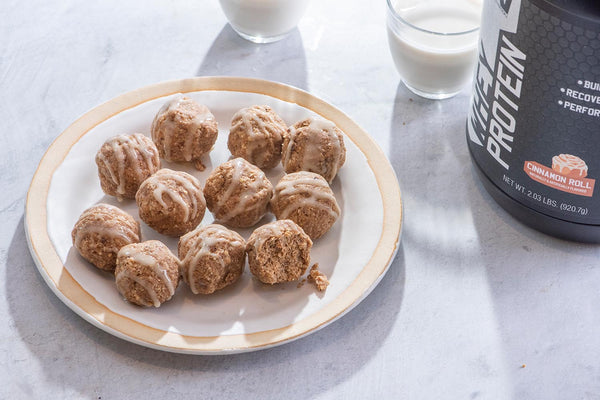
<point>198,165</point>
<point>301,283</point>
<point>523,366</point>
<point>317,278</point>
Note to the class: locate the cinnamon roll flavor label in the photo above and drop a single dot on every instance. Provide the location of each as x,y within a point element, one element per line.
<point>534,120</point>
<point>568,178</point>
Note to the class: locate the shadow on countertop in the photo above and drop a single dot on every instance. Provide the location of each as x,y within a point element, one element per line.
<point>283,61</point>
<point>89,362</point>
<point>542,290</point>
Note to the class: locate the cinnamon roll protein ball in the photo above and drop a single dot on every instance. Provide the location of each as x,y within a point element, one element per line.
<point>315,145</point>
<point>238,193</point>
<point>278,252</point>
<point>256,135</point>
<point>147,273</point>
<point>306,198</point>
<point>212,257</point>
<point>124,162</point>
<point>171,202</point>
<point>101,231</point>
<point>184,130</point>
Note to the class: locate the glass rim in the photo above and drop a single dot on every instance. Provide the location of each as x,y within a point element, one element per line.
<point>398,18</point>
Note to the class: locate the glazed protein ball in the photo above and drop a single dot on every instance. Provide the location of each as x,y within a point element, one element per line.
<point>306,198</point>
<point>256,135</point>
<point>101,231</point>
<point>124,162</point>
<point>238,193</point>
<point>212,257</point>
<point>171,202</point>
<point>184,130</point>
<point>278,252</point>
<point>315,145</point>
<point>147,273</point>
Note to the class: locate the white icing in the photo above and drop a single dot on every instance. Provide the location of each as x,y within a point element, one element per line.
<point>290,145</point>
<point>200,245</point>
<point>189,204</point>
<point>169,128</point>
<point>306,183</point>
<point>143,283</point>
<point>318,132</point>
<point>273,229</point>
<point>249,117</point>
<point>145,259</point>
<point>321,124</point>
<point>126,147</point>
<point>125,231</point>
<point>240,168</point>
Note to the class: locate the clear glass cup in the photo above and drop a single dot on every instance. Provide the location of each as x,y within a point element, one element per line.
<point>263,21</point>
<point>434,43</point>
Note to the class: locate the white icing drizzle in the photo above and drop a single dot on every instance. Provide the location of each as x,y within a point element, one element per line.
<point>147,260</point>
<point>276,228</point>
<point>285,157</point>
<point>200,244</point>
<point>170,128</point>
<point>202,116</point>
<point>127,147</point>
<point>191,185</point>
<point>240,167</point>
<point>318,131</point>
<point>310,184</point>
<point>266,123</point>
<point>125,231</point>
<point>146,285</point>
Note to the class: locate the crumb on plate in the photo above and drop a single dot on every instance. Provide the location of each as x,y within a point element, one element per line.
<point>317,278</point>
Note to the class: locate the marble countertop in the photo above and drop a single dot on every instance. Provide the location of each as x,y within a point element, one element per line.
<point>475,305</point>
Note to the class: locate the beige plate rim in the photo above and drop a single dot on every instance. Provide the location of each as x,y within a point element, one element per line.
<point>84,304</point>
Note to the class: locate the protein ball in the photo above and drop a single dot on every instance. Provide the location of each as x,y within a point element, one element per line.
<point>171,202</point>
<point>306,198</point>
<point>315,145</point>
<point>101,231</point>
<point>184,130</point>
<point>256,135</point>
<point>147,273</point>
<point>212,257</point>
<point>238,193</point>
<point>278,252</point>
<point>124,162</point>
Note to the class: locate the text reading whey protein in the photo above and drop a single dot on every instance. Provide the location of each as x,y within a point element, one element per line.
<point>534,122</point>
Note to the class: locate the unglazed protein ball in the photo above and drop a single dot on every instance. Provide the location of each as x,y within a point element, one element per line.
<point>315,145</point>
<point>101,231</point>
<point>256,135</point>
<point>306,198</point>
<point>278,252</point>
<point>238,193</point>
<point>184,130</point>
<point>212,257</point>
<point>171,202</point>
<point>124,162</point>
<point>147,273</point>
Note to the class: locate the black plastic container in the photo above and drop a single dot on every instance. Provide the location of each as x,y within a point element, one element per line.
<point>534,123</point>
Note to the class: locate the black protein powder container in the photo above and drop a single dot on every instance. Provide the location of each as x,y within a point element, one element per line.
<point>533,129</point>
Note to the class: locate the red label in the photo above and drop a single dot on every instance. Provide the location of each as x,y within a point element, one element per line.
<point>549,177</point>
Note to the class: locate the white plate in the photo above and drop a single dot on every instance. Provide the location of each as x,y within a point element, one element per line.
<point>248,315</point>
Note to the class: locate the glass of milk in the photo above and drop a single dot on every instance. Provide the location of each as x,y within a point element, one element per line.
<point>263,21</point>
<point>434,43</point>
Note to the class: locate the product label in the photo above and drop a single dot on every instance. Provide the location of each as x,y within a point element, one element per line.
<point>534,122</point>
<point>549,177</point>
